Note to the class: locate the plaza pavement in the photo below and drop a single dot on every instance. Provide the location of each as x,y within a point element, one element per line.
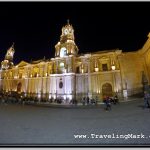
<point>30,125</point>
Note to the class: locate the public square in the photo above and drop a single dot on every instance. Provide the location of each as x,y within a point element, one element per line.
<point>56,126</point>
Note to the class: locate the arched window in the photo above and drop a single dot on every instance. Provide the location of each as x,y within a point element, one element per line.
<point>63,52</point>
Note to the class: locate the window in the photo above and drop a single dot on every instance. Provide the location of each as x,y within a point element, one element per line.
<point>61,64</point>
<point>104,67</point>
<point>63,52</point>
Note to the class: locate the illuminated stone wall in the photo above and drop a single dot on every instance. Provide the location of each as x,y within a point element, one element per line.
<point>70,75</point>
<point>43,78</point>
<point>131,67</point>
<point>145,56</point>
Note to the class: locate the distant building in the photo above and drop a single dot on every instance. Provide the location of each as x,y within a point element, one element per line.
<point>71,76</point>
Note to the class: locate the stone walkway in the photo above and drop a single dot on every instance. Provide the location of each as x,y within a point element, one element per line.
<point>79,105</point>
<point>32,125</point>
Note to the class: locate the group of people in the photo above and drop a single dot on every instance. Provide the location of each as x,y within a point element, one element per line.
<point>87,101</point>
<point>110,100</point>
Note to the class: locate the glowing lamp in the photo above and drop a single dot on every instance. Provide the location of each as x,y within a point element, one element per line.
<point>54,96</point>
<point>82,70</point>
<point>15,77</point>
<point>39,95</point>
<point>61,64</point>
<point>96,69</point>
<point>50,96</point>
<point>113,67</point>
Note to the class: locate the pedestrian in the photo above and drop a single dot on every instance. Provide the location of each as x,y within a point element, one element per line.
<point>146,100</point>
<point>96,100</point>
<point>115,99</point>
<point>76,102</point>
<point>88,100</point>
<point>107,103</point>
<point>83,101</point>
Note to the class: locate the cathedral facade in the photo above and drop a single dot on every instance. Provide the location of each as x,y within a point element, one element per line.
<point>72,76</point>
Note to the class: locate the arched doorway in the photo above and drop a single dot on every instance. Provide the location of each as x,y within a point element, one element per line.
<point>78,69</point>
<point>19,85</point>
<point>107,90</point>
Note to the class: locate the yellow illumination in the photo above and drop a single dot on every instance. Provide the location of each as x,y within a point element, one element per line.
<point>82,70</point>
<point>113,67</point>
<point>96,69</point>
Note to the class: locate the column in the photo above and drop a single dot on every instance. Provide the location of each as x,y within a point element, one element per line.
<point>114,81</point>
<point>89,80</point>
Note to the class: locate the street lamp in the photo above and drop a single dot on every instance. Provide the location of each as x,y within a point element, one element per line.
<point>113,67</point>
<point>96,69</point>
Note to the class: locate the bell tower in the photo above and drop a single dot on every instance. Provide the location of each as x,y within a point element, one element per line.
<point>8,61</point>
<point>66,46</point>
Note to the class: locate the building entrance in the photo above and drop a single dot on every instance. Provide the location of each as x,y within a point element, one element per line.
<point>107,90</point>
<point>19,85</point>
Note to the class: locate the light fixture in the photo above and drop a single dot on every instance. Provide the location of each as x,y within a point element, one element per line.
<point>50,96</point>
<point>113,67</point>
<point>96,69</point>
<point>82,70</point>
<point>61,64</point>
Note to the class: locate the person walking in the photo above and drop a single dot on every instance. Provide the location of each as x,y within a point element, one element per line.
<point>96,100</point>
<point>83,101</point>
<point>108,103</point>
<point>146,100</point>
<point>116,99</point>
<point>87,100</point>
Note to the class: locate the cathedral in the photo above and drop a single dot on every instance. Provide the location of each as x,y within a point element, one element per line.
<point>70,76</point>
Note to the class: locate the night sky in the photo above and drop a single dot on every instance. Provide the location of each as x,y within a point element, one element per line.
<point>35,27</point>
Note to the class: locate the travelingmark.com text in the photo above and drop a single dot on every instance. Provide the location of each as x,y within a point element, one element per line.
<point>111,136</point>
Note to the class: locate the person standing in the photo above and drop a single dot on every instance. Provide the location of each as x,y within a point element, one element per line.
<point>146,99</point>
<point>96,100</point>
<point>87,100</point>
<point>108,103</point>
<point>83,101</point>
<point>115,99</point>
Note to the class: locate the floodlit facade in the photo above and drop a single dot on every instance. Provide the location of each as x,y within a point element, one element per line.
<point>72,76</point>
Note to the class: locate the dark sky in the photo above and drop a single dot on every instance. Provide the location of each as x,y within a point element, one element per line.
<point>35,27</point>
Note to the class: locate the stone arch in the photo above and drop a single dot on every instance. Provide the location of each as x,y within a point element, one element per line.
<point>63,52</point>
<point>107,89</point>
<point>77,67</point>
<point>19,86</point>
